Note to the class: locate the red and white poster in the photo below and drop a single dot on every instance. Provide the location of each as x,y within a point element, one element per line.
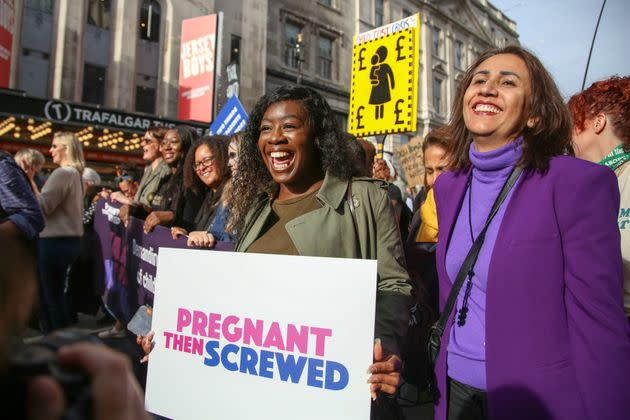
<point>7,18</point>
<point>196,68</point>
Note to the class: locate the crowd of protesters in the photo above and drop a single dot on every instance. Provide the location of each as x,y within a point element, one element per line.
<point>518,244</point>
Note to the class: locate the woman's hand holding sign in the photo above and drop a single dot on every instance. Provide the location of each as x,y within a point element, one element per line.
<point>385,372</point>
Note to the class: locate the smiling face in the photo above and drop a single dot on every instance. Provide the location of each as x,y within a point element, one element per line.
<point>171,148</point>
<point>58,152</point>
<point>205,167</point>
<point>150,147</point>
<point>233,156</point>
<point>496,100</point>
<point>287,147</point>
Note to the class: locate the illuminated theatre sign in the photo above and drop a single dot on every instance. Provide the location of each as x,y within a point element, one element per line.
<point>107,135</point>
<point>299,327</point>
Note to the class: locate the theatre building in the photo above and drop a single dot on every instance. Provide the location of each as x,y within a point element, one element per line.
<point>104,69</point>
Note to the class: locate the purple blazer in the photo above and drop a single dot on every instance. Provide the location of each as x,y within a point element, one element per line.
<point>557,339</point>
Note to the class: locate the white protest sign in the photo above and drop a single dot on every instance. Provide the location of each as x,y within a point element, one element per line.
<point>261,336</point>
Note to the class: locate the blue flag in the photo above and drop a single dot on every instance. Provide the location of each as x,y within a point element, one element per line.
<point>231,119</point>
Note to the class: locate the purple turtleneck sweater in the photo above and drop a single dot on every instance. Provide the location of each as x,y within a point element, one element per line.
<point>466,348</point>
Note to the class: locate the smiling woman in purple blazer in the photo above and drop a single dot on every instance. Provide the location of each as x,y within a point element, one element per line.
<point>541,332</point>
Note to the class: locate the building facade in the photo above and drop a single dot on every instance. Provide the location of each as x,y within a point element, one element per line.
<point>124,54</point>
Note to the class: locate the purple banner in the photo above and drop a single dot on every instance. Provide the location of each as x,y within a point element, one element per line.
<point>130,259</point>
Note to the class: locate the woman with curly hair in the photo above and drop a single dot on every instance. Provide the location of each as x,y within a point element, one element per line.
<point>601,134</point>
<point>528,255</point>
<point>206,168</point>
<point>294,164</point>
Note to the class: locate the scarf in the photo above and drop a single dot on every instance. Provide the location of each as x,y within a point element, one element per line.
<point>616,158</point>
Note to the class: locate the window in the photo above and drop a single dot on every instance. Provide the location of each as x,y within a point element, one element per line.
<point>96,50</point>
<point>437,42</point>
<point>93,84</point>
<point>325,57</point>
<point>148,56</point>
<point>99,13</point>
<point>43,6</point>
<point>150,21</point>
<point>36,43</point>
<point>406,13</point>
<point>235,49</point>
<point>379,12</point>
<point>342,120</point>
<point>145,93</point>
<point>291,32</point>
<point>437,95</point>
<point>459,54</point>
<point>325,2</point>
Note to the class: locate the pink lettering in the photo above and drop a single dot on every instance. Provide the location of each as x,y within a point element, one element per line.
<point>197,346</point>
<point>183,319</point>
<point>199,323</point>
<point>252,332</point>
<point>214,325</point>
<point>168,336</point>
<point>297,339</point>
<point>236,333</point>
<point>187,344</point>
<point>274,337</point>
<point>178,342</point>
<point>320,339</point>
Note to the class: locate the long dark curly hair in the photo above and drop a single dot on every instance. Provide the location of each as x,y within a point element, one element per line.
<point>549,136</point>
<point>253,179</point>
<point>218,145</point>
<point>174,188</point>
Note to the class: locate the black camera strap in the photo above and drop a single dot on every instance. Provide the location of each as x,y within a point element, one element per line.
<point>467,267</point>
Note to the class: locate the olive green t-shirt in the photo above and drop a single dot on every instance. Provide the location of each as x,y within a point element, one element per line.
<point>275,239</point>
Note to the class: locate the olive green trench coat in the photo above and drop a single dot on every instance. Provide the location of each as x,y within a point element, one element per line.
<point>330,232</point>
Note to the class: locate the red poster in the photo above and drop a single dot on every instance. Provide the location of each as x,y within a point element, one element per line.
<point>196,68</point>
<point>6,40</point>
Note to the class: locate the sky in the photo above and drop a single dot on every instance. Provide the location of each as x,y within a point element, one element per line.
<point>560,32</point>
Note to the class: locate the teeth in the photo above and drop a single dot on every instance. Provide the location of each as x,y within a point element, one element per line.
<point>280,166</point>
<point>279,154</point>
<point>487,108</point>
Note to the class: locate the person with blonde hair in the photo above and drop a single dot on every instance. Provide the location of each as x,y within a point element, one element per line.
<point>61,200</point>
<point>31,161</point>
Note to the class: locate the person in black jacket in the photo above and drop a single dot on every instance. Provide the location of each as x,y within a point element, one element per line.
<point>175,204</point>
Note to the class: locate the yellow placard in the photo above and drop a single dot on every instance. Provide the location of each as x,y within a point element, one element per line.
<point>384,94</point>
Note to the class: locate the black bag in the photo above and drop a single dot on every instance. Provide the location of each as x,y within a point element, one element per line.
<point>466,270</point>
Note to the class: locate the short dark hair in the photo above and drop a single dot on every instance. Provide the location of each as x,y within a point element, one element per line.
<point>157,132</point>
<point>550,135</point>
<point>218,145</point>
<point>253,178</point>
<point>436,137</point>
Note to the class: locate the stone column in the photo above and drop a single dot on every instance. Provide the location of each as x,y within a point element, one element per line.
<point>121,74</point>
<point>67,49</point>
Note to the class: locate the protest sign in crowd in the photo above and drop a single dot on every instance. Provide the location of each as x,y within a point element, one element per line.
<point>300,264</point>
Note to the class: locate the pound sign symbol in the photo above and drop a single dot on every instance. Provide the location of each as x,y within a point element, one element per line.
<point>360,117</point>
<point>361,58</point>
<point>398,111</point>
<point>399,48</point>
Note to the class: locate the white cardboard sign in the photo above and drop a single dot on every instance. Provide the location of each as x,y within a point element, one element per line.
<point>242,336</point>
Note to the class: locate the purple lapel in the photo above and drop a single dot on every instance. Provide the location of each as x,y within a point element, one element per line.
<point>454,196</point>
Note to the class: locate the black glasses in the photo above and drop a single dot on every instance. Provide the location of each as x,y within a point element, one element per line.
<point>207,161</point>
